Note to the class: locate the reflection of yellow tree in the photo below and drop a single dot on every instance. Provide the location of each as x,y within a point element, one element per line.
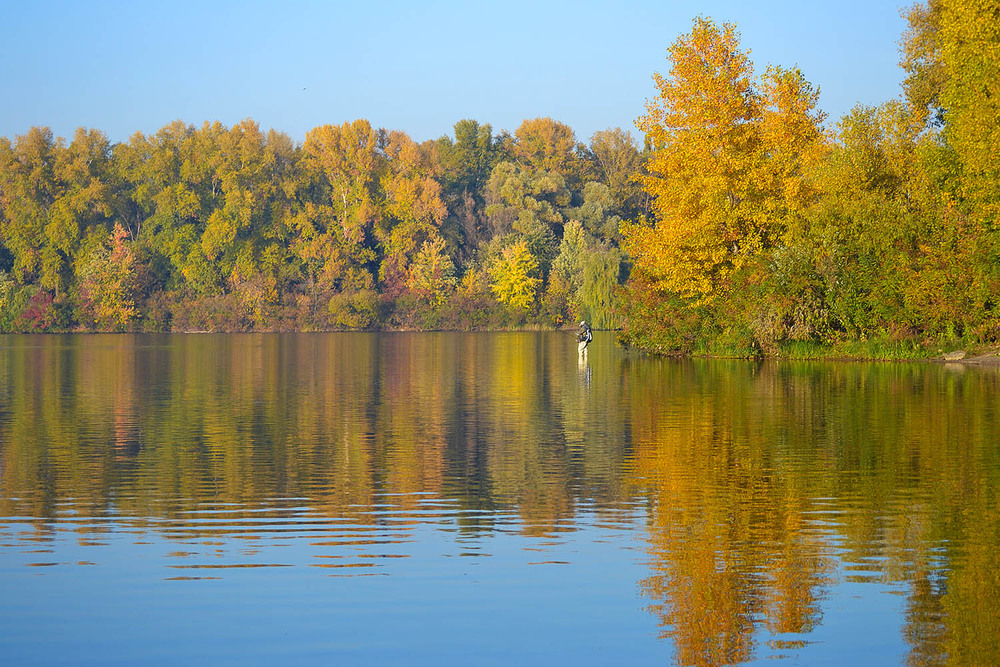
<point>526,457</point>
<point>729,542</point>
<point>739,459</point>
<point>413,433</point>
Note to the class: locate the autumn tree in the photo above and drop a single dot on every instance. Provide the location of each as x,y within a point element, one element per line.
<point>431,274</point>
<point>514,277</point>
<point>414,209</point>
<point>334,226</point>
<point>166,203</point>
<point>950,54</point>
<point>702,126</point>
<point>969,40</point>
<point>108,282</point>
<point>920,52</point>
<point>545,144</point>
<point>27,190</point>
<point>945,179</point>
<point>722,148</point>
<point>246,235</point>
<point>50,195</point>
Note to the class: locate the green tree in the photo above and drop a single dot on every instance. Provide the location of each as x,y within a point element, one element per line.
<point>466,163</point>
<point>590,269</point>
<point>620,164</point>
<point>528,203</point>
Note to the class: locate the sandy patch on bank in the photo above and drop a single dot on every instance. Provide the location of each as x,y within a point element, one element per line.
<point>983,358</point>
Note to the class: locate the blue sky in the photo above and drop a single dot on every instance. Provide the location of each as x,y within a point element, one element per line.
<point>419,67</point>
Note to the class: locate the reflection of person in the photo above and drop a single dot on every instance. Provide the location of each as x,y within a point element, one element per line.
<point>583,337</point>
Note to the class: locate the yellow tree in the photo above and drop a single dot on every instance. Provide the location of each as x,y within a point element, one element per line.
<point>791,139</point>
<point>348,157</point>
<point>726,153</point>
<point>546,145</point>
<point>335,236</point>
<point>513,278</point>
<point>920,49</point>
<point>413,207</point>
<point>50,195</point>
<point>108,283</point>
<point>703,128</point>
<point>431,275</point>
<point>969,41</point>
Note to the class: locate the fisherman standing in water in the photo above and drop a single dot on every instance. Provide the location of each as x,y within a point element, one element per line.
<point>583,337</point>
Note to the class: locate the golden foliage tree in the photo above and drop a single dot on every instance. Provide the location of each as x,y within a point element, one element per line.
<point>431,275</point>
<point>513,278</point>
<point>970,52</point>
<point>335,235</point>
<point>413,206</point>
<point>108,283</point>
<point>726,153</point>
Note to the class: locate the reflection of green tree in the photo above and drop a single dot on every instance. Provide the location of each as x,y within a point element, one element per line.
<point>138,423</point>
<point>740,463</point>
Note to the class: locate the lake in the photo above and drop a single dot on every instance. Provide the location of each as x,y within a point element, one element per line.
<point>489,498</point>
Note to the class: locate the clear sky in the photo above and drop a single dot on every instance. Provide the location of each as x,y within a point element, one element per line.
<point>417,66</point>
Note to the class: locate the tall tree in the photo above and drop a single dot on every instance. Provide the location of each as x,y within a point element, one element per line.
<point>723,154</point>
<point>702,126</point>
<point>970,54</point>
<point>336,230</point>
<point>413,207</point>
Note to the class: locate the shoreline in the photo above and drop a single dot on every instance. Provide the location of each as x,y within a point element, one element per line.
<point>989,356</point>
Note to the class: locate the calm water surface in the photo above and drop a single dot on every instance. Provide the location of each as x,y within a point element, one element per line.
<point>489,499</point>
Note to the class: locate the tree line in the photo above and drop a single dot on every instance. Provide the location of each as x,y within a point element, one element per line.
<point>772,233</point>
<point>744,224</point>
<point>217,228</point>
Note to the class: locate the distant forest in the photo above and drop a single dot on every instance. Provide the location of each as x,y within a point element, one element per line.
<point>233,229</point>
<point>744,224</point>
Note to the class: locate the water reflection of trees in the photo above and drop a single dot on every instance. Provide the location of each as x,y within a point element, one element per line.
<point>765,484</point>
<point>764,480</point>
<point>489,421</point>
